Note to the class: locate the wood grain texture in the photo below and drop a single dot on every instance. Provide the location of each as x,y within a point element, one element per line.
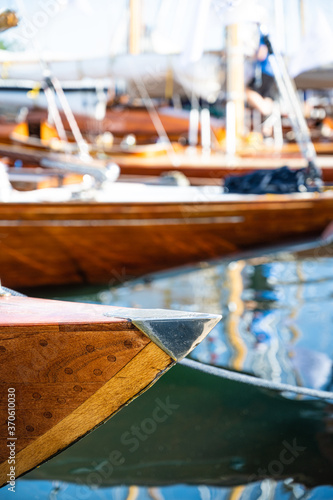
<point>49,244</point>
<point>135,377</point>
<point>67,378</point>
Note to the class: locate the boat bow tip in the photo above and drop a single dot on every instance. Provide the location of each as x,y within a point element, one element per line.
<point>176,332</point>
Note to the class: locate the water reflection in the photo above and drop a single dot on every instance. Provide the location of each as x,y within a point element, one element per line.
<point>214,432</point>
<point>277,314</point>
<point>267,489</point>
<point>277,324</point>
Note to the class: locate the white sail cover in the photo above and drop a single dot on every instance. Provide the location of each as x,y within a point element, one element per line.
<point>85,39</point>
<point>316,49</point>
<point>180,22</point>
<point>76,38</point>
<point>27,66</point>
<point>194,47</point>
<point>63,34</point>
<point>204,78</point>
<point>84,28</point>
<point>239,11</point>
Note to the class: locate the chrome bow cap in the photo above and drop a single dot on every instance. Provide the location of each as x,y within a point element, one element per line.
<point>176,332</point>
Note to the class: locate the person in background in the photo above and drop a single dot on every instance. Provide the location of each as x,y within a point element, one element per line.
<point>262,90</point>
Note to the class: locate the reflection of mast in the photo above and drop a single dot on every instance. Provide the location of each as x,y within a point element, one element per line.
<point>133,493</point>
<point>135,27</point>
<point>235,87</point>
<point>296,333</point>
<point>236,308</point>
<point>236,493</point>
<point>155,494</point>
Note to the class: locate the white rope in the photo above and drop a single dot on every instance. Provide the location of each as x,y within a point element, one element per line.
<point>250,380</point>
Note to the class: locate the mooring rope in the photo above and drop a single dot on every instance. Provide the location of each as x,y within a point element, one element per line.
<point>251,380</point>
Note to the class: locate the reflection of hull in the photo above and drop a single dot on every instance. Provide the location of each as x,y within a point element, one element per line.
<point>215,432</point>
<point>100,242</point>
<point>68,367</point>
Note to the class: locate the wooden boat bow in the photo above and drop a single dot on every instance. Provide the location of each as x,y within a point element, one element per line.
<point>66,368</point>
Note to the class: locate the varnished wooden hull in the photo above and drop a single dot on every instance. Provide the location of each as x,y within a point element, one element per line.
<point>66,368</point>
<point>82,242</point>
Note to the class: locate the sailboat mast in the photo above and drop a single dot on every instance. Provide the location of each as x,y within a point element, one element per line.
<point>302,16</point>
<point>280,35</point>
<point>135,28</point>
<point>235,87</point>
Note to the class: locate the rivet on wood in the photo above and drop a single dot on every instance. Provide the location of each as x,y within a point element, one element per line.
<point>77,388</point>
<point>47,414</point>
<point>97,372</point>
<point>30,428</point>
<point>69,371</point>
<point>111,358</point>
<point>90,348</point>
<point>36,395</point>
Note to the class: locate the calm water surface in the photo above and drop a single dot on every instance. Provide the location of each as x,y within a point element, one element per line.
<point>277,324</point>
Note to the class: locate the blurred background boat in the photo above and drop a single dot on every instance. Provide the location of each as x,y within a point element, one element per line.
<point>89,232</point>
<point>133,92</point>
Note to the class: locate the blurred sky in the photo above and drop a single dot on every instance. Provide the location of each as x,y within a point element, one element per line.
<point>91,27</point>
